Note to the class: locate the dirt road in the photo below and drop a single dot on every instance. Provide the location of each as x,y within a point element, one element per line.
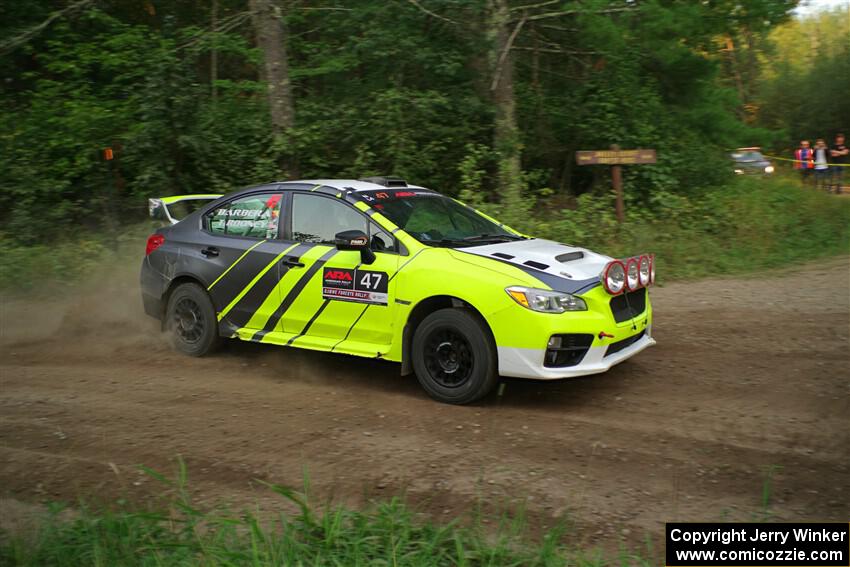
<point>748,389</point>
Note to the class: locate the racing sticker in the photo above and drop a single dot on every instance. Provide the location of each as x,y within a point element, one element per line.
<point>359,286</point>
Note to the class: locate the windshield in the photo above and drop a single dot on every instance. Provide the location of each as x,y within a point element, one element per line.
<point>436,220</point>
<point>748,156</point>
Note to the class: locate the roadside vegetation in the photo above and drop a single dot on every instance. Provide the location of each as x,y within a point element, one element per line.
<point>385,533</point>
<point>747,225</point>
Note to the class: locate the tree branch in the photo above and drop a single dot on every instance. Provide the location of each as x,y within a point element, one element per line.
<point>532,6</point>
<point>546,15</point>
<point>27,35</point>
<point>555,50</point>
<point>329,8</point>
<point>430,13</point>
<point>225,25</point>
<point>497,76</point>
<point>558,28</point>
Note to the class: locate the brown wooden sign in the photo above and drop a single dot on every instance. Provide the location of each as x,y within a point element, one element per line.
<point>615,157</point>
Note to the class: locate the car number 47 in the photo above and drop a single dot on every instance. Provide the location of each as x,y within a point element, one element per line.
<point>371,281</point>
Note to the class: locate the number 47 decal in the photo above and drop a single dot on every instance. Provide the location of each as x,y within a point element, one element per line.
<point>371,280</point>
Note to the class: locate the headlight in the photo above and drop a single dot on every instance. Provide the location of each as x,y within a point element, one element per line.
<point>614,277</point>
<point>643,270</point>
<point>768,169</point>
<point>546,301</point>
<point>632,278</point>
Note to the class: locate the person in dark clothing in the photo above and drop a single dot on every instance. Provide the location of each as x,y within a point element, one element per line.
<point>839,161</point>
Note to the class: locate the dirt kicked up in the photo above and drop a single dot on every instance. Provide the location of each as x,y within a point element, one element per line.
<point>742,411</point>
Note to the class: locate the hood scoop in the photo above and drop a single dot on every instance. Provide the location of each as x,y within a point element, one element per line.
<point>561,267</point>
<point>569,257</point>
<point>536,265</point>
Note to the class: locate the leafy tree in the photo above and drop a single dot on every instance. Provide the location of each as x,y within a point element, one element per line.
<point>487,99</point>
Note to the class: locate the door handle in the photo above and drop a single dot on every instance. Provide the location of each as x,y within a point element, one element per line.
<point>292,262</point>
<point>210,251</point>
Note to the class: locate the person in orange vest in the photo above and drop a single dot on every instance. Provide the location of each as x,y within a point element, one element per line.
<point>804,161</point>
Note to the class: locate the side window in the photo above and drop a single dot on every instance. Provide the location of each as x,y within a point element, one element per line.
<point>255,216</point>
<point>318,219</point>
<point>379,239</point>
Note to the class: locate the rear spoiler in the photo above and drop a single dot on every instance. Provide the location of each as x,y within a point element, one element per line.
<point>158,207</point>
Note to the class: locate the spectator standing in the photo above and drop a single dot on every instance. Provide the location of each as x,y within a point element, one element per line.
<point>821,162</point>
<point>804,161</point>
<point>840,159</point>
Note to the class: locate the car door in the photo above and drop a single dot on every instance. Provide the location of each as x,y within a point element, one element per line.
<point>243,252</point>
<point>339,298</point>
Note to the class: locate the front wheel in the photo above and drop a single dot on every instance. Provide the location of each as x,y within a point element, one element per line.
<point>453,357</point>
<point>191,321</point>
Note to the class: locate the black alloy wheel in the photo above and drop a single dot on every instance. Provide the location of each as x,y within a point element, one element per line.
<point>454,356</point>
<point>448,357</point>
<point>190,320</point>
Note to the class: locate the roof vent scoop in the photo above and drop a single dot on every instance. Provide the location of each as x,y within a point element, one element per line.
<point>570,256</point>
<point>386,181</point>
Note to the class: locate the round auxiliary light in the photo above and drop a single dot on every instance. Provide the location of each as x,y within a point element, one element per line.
<point>632,278</point>
<point>614,277</point>
<point>652,268</point>
<point>643,270</point>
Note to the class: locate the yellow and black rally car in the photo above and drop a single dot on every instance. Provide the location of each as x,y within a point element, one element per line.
<point>379,268</point>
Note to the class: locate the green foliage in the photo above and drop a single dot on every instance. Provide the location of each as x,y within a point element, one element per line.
<point>805,93</point>
<point>387,533</point>
<point>81,255</point>
<point>747,225</point>
<point>382,89</point>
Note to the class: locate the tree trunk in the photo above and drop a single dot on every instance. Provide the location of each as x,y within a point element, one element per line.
<point>506,139</point>
<point>267,17</point>
<point>214,50</point>
<point>735,71</point>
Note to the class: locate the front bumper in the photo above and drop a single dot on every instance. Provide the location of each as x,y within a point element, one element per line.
<point>528,363</point>
<point>522,337</point>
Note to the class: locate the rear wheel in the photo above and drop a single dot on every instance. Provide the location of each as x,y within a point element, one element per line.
<point>191,321</point>
<point>453,357</point>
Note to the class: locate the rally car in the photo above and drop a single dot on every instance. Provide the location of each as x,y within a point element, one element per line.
<point>379,268</point>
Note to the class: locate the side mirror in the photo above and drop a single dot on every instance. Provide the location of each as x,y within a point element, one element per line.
<point>355,240</point>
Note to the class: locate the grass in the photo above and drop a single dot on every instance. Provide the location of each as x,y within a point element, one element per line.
<point>387,533</point>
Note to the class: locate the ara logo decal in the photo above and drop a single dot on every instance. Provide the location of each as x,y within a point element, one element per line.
<point>339,275</point>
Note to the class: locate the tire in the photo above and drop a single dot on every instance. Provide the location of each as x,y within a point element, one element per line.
<point>191,321</point>
<point>454,357</point>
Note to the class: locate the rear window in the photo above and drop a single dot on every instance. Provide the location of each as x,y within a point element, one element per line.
<point>254,216</point>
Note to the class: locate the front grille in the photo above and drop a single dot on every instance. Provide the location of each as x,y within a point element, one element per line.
<point>628,305</point>
<point>572,350</point>
<point>614,348</point>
